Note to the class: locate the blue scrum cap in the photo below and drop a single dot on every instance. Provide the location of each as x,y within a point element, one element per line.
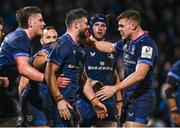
<point>98,18</point>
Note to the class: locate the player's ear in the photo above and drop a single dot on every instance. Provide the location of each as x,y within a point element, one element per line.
<point>76,25</point>
<point>134,26</point>
<point>30,22</point>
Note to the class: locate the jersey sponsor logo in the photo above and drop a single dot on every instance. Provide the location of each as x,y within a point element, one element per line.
<point>133,49</point>
<point>103,68</point>
<point>29,117</point>
<point>146,52</point>
<point>73,67</point>
<point>130,114</point>
<point>102,63</point>
<point>92,53</point>
<point>110,56</point>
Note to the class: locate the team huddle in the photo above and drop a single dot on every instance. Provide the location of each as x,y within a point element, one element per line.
<point>77,79</point>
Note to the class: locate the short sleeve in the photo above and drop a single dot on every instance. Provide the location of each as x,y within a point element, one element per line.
<point>21,47</point>
<point>118,46</point>
<point>148,53</point>
<point>59,53</point>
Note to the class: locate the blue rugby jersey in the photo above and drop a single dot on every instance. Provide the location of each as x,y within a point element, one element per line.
<point>15,44</point>
<point>141,50</point>
<point>70,59</point>
<point>101,66</point>
<point>47,48</point>
<point>174,72</point>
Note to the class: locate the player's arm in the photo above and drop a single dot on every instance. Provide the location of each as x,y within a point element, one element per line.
<point>40,60</point>
<point>100,108</point>
<point>119,99</point>
<point>103,46</point>
<point>4,82</point>
<point>50,78</point>
<point>119,76</point>
<point>169,88</point>
<point>138,75</point>
<point>27,70</point>
<point>22,84</point>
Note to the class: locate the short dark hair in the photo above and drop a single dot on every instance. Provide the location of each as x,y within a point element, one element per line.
<point>130,14</point>
<point>23,14</point>
<point>74,14</point>
<point>1,20</point>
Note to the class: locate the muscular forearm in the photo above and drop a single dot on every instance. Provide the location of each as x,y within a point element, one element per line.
<point>39,62</point>
<point>50,79</point>
<point>31,73</point>
<point>22,84</point>
<point>87,90</point>
<point>129,81</point>
<point>104,46</point>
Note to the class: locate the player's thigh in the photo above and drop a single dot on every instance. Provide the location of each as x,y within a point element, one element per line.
<point>87,113</point>
<point>140,110</point>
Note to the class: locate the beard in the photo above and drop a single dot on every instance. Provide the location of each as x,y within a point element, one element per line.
<point>84,36</point>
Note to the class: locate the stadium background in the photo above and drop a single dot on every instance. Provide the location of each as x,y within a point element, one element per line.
<point>160,17</point>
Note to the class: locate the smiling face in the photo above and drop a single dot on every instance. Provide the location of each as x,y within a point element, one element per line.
<point>36,23</point>
<point>99,30</point>
<point>49,35</point>
<point>125,28</point>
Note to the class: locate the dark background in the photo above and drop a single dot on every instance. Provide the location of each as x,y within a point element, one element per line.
<point>160,17</point>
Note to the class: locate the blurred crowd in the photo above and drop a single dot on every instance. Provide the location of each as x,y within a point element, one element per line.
<point>160,17</point>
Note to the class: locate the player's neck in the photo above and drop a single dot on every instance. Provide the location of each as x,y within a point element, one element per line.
<point>136,34</point>
<point>29,33</point>
<point>74,36</point>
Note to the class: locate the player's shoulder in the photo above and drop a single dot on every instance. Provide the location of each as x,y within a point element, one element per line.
<point>176,65</point>
<point>147,40</point>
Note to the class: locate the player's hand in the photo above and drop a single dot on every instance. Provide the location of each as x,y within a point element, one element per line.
<point>63,81</point>
<point>105,92</point>
<point>175,118</point>
<point>4,82</point>
<point>63,108</point>
<point>100,108</point>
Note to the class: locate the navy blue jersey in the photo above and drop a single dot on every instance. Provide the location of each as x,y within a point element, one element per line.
<point>101,66</point>
<point>141,50</point>
<point>15,44</point>
<point>175,74</point>
<point>70,59</point>
<point>47,48</point>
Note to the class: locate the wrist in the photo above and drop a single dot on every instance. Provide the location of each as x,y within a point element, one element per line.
<point>58,98</point>
<point>115,88</point>
<point>174,109</point>
<point>94,101</point>
<point>43,78</point>
<point>119,101</point>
